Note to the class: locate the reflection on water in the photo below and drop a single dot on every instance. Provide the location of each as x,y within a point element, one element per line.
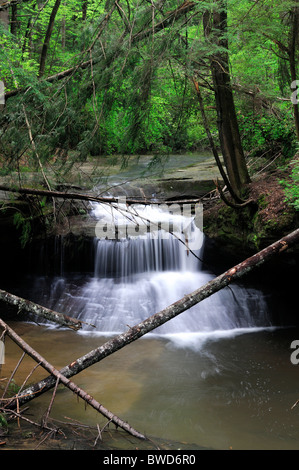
<point>234,392</point>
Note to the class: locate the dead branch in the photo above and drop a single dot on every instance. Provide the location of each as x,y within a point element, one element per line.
<point>71,385</point>
<point>35,149</point>
<point>158,319</point>
<point>87,197</point>
<point>20,416</point>
<point>238,201</point>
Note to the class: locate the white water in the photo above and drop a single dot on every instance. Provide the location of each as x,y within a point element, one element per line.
<point>137,277</point>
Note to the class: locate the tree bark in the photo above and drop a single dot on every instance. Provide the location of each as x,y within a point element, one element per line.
<point>239,202</point>
<point>215,24</point>
<point>71,385</point>
<point>86,197</point>
<point>13,19</point>
<point>4,5</point>
<point>84,9</point>
<point>163,316</point>
<point>292,52</point>
<point>38,310</point>
<point>166,22</point>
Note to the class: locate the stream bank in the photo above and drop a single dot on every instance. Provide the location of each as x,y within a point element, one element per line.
<point>232,235</point>
<point>212,373</point>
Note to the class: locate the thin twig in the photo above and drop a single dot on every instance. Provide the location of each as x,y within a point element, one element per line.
<point>45,420</point>
<point>13,374</point>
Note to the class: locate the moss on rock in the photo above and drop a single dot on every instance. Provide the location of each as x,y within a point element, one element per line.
<point>255,226</point>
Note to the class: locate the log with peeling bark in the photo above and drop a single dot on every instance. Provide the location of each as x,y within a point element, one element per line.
<point>158,319</point>
<point>39,311</point>
<point>71,385</point>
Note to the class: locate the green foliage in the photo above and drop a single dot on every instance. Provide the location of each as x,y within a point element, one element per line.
<point>265,134</point>
<point>3,421</point>
<point>138,96</point>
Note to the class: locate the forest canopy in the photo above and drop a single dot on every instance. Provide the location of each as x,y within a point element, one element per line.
<point>130,77</point>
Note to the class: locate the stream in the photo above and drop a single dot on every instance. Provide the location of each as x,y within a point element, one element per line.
<point>219,376</point>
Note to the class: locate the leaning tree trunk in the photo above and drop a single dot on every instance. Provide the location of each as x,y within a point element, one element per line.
<point>215,27</point>
<point>160,318</point>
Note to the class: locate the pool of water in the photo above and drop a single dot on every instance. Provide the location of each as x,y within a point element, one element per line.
<point>234,390</point>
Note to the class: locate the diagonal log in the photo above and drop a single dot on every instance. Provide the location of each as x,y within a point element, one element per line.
<point>164,315</point>
<point>71,385</point>
<point>35,309</point>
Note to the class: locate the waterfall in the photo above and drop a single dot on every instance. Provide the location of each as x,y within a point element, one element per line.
<point>137,276</point>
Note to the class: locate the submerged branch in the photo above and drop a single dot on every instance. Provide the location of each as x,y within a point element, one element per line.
<point>163,316</point>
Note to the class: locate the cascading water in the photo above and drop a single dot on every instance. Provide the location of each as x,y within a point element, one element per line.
<point>138,276</point>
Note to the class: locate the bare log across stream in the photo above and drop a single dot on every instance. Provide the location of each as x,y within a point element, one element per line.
<point>162,317</point>
<point>89,197</point>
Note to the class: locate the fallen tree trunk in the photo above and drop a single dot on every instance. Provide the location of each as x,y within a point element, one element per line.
<point>71,385</point>
<point>35,309</point>
<point>163,316</point>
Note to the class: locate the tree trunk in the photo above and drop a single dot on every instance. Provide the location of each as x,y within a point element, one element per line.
<point>292,59</point>
<point>71,385</point>
<point>13,19</point>
<point>48,35</point>
<point>84,9</point>
<point>226,181</point>
<point>162,317</point>
<point>38,310</point>
<point>215,24</point>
